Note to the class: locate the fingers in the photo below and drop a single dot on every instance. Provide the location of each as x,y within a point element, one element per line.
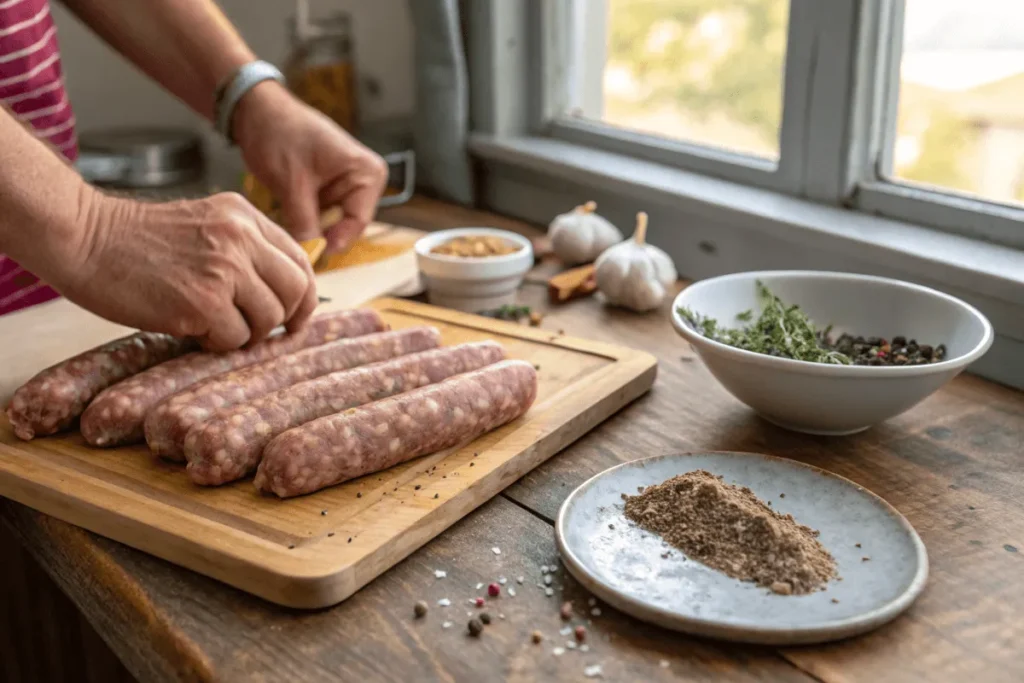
<point>286,270</point>
<point>228,330</point>
<point>261,307</point>
<point>358,196</point>
<point>301,212</point>
<point>343,234</point>
<point>305,309</point>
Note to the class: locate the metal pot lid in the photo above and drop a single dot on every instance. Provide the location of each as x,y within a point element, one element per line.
<point>140,156</point>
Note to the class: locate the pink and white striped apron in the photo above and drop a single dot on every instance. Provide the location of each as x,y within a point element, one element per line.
<point>32,86</point>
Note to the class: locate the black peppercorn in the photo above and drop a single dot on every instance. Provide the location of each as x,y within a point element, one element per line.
<point>475,627</point>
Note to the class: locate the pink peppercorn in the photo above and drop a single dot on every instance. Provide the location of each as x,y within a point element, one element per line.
<point>479,602</point>
<point>494,590</point>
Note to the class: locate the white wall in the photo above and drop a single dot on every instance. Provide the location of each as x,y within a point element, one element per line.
<point>105,90</point>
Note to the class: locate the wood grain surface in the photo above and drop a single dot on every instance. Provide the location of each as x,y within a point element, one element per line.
<point>316,550</point>
<point>951,465</point>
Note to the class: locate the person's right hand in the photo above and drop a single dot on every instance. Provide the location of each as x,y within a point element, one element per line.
<point>215,269</point>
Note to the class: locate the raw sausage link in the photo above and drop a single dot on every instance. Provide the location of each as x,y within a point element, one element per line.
<point>229,445</point>
<point>168,423</point>
<point>53,399</point>
<point>363,440</point>
<point>115,417</point>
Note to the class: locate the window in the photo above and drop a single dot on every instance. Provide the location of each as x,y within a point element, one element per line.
<point>911,109</point>
<point>960,121</point>
<point>704,71</point>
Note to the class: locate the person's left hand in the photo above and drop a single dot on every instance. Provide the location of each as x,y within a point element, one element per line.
<point>309,164</point>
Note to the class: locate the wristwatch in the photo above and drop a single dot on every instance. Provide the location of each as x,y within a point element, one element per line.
<point>231,91</point>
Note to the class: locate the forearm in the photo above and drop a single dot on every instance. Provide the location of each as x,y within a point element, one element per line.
<point>188,46</point>
<point>45,205</point>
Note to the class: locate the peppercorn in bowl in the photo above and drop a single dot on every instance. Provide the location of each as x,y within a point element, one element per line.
<point>828,353</point>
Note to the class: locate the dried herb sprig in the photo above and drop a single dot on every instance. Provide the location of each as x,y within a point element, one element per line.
<point>780,330</point>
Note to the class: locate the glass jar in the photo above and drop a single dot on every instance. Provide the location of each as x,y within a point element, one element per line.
<point>321,67</point>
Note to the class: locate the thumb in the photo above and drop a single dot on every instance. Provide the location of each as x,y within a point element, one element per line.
<point>343,235</point>
<point>300,211</point>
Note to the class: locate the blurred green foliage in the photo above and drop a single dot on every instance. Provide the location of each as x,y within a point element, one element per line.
<point>726,59</point>
<point>738,74</point>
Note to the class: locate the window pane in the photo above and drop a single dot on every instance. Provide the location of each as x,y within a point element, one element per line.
<point>704,71</point>
<point>960,123</point>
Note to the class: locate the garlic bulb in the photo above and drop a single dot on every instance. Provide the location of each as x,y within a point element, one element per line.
<point>634,274</point>
<point>581,235</point>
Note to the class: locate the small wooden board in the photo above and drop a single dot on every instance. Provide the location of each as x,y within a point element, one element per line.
<point>317,550</point>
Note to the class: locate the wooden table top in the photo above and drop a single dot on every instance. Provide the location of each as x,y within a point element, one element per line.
<point>952,466</point>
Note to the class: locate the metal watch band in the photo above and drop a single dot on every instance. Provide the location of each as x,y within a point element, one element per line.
<point>238,84</point>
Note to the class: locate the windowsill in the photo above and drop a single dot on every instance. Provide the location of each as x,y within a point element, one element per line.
<point>760,229</point>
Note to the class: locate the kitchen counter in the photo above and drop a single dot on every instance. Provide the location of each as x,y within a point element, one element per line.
<point>951,465</point>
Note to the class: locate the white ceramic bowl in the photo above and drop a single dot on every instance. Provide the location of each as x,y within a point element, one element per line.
<point>816,398</point>
<point>472,284</point>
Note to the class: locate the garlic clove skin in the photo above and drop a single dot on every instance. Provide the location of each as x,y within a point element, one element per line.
<point>635,276</point>
<point>580,236</point>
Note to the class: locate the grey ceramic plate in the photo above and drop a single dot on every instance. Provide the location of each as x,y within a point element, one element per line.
<point>624,566</point>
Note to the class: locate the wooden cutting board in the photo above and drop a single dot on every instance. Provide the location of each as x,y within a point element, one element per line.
<point>317,550</point>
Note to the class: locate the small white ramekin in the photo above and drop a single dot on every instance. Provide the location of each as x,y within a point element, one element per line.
<point>473,284</point>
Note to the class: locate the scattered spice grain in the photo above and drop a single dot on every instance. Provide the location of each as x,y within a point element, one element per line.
<point>566,611</point>
<point>420,609</point>
<point>475,627</point>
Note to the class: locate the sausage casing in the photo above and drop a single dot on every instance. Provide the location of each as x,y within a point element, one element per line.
<point>373,437</point>
<point>52,400</point>
<point>230,444</point>
<point>115,417</point>
<point>169,422</point>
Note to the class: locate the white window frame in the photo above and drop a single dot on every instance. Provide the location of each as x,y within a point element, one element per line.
<point>871,189</point>
<point>738,212</point>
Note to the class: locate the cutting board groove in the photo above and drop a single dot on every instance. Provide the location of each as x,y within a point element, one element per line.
<point>317,550</point>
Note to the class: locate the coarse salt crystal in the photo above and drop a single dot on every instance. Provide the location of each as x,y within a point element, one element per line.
<point>663,664</point>
<point>592,671</point>
<point>584,648</point>
<point>479,586</point>
<point>446,624</point>
<point>519,579</point>
<point>511,592</point>
<point>440,573</point>
<point>549,592</point>
<point>444,602</point>
<point>566,631</point>
<point>496,550</point>
<point>596,611</point>
<point>501,616</point>
<point>502,580</point>
<point>571,644</point>
<point>592,601</point>
<point>547,580</point>
<point>469,614</point>
<point>558,651</point>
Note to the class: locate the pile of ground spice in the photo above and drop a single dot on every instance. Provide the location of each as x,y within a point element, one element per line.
<point>730,529</point>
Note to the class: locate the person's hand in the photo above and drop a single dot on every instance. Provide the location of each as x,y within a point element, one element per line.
<point>309,164</point>
<point>215,269</point>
